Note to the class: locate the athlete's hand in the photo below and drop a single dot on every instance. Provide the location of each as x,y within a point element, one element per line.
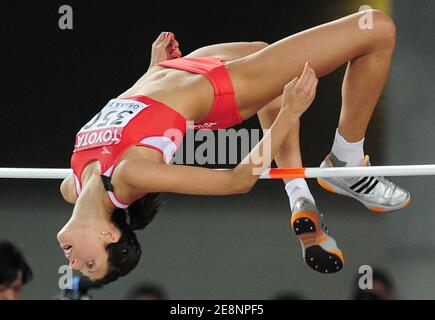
<point>166,47</point>
<point>300,92</point>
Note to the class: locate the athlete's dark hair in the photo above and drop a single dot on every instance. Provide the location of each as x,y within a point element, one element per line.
<point>124,255</point>
<point>12,265</point>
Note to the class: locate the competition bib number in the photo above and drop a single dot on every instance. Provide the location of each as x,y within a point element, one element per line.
<point>107,126</point>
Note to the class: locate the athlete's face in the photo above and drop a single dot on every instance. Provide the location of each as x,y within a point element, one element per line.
<point>85,248</point>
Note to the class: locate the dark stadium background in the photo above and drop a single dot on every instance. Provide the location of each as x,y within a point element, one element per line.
<point>53,81</point>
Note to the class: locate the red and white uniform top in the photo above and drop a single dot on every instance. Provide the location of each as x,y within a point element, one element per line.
<point>122,123</point>
<point>142,121</point>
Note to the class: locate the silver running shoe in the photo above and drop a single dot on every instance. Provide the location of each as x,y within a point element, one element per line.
<point>319,249</point>
<point>378,194</point>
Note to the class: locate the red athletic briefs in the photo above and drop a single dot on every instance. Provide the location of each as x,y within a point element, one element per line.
<point>142,121</point>
<point>224,113</point>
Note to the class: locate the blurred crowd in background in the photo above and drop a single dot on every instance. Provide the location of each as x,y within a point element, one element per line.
<point>15,273</point>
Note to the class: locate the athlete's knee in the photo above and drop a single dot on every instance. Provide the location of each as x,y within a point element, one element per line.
<point>385,27</point>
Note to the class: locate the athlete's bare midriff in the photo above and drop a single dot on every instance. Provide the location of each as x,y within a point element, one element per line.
<point>189,94</point>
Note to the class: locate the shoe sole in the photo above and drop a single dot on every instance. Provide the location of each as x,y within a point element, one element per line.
<point>323,261</point>
<point>304,225</point>
<point>378,209</point>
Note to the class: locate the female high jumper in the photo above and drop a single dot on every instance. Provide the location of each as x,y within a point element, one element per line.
<point>122,156</point>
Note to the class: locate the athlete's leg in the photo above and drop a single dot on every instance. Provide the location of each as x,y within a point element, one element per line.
<point>289,155</point>
<point>319,249</point>
<point>229,51</point>
<point>260,77</point>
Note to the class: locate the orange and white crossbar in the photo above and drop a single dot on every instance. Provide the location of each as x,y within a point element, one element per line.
<point>275,173</point>
<point>381,171</point>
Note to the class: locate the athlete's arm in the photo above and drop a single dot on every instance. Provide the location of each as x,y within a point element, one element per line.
<point>298,95</point>
<point>144,177</point>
